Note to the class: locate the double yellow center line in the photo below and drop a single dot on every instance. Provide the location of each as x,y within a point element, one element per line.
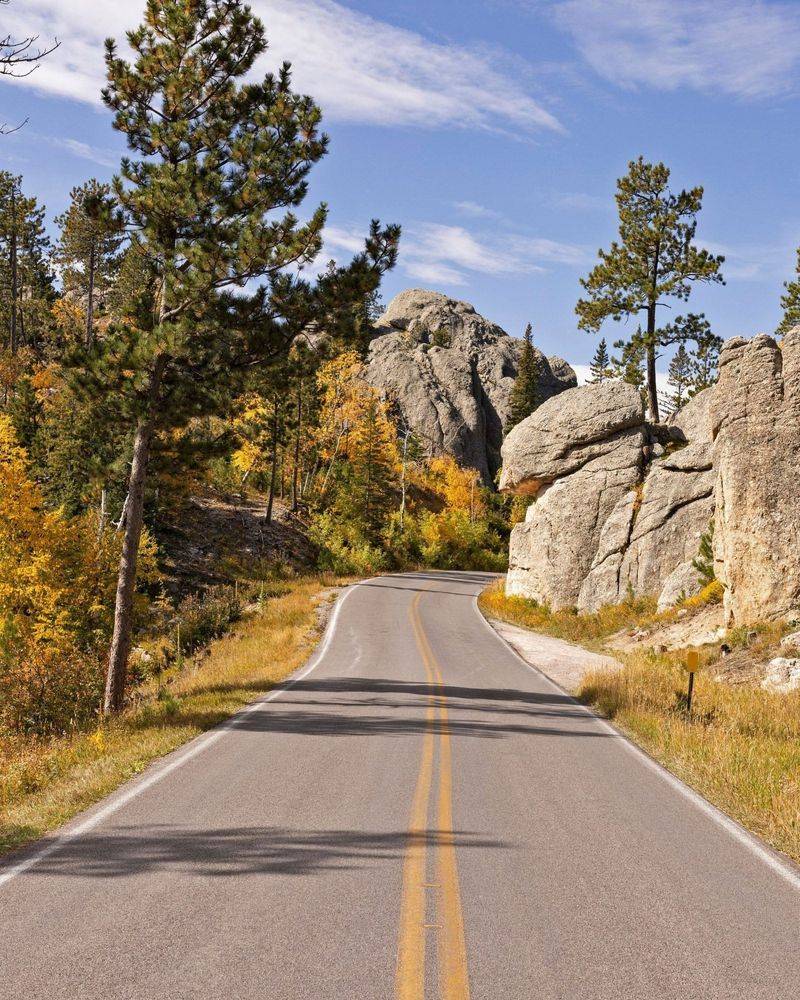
<point>431,906</point>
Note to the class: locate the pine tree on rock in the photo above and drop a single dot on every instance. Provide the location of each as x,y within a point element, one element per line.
<point>600,365</point>
<point>680,378</point>
<point>221,166</point>
<point>655,259</point>
<point>525,393</point>
<point>88,250</point>
<point>629,366</point>
<point>790,302</point>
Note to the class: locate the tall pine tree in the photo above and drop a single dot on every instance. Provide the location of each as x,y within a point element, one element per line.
<point>25,276</point>
<point>655,259</point>
<point>88,250</point>
<point>525,392</point>
<point>221,165</point>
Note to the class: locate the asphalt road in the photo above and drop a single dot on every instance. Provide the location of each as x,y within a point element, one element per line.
<point>420,816</point>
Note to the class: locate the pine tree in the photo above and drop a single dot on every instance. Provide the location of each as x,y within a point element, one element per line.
<point>600,366</point>
<point>25,276</point>
<point>525,392</point>
<point>655,259</point>
<point>680,378</point>
<point>217,158</point>
<point>629,366</point>
<point>88,250</point>
<point>790,302</point>
<point>705,359</point>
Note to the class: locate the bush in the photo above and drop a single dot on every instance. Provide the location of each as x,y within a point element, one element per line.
<point>343,549</point>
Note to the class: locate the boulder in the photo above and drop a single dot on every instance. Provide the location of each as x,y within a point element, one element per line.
<point>619,505</point>
<point>684,581</point>
<point>783,675</point>
<point>577,456</point>
<point>450,373</point>
<point>756,421</point>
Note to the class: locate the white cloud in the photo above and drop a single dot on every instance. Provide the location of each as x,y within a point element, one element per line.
<point>476,211</point>
<point>358,68</point>
<point>84,151</point>
<point>749,48</point>
<point>578,201</point>
<point>438,253</point>
<point>584,373</point>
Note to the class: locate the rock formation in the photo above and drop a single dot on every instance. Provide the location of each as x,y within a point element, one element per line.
<point>578,456</point>
<point>619,506</point>
<point>450,373</point>
<point>756,421</point>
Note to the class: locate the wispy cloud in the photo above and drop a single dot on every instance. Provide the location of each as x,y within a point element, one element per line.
<point>103,157</point>
<point>360,69</point>
<point>475,211</point>
<point>578,201</point>
<point>449,255</point>
<point>748,48</point>
<point>434,252</point>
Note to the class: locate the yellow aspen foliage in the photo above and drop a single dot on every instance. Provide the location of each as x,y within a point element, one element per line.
<point>252,426</point>
<point>56,590</point>
<point>458,488</point>
<point>342,388</point>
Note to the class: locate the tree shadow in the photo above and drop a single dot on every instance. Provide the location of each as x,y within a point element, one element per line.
<point>234,851</point>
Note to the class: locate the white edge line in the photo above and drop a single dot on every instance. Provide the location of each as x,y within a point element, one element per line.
<point>739,833</point>
<point>196,746</point>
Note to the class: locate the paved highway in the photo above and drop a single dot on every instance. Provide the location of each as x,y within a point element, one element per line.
<point>418,816</point>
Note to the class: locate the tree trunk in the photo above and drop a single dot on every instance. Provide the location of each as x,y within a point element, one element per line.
<point>126,580</point>
<point>14,273</point>
<point>273,463</point>
<point>296,468</point>
<point>133,512</point>
<point>403,481</point>
<point>90,300</point>
<point>652,387</point>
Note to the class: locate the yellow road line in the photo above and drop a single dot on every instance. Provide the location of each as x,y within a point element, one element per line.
<point>410,977</point>
<point>451,947</point>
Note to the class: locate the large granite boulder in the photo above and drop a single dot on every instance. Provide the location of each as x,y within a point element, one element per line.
<point>756,421</point>
<point>618,505</point>
<point>450,372</point>
<point>577,456</point>
<point>658,528</point>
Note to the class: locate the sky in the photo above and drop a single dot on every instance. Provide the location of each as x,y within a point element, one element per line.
<point>494,132</point>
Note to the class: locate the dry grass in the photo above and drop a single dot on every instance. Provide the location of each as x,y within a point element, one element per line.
<point>45,783</point>
<point>741,746</point>
<point>567,623</point>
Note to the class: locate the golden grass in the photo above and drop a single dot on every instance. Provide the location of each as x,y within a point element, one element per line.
<point>741,746</point>
<point>45,783</point>
<point>567,623</point>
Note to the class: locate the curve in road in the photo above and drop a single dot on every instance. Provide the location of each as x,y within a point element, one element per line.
<point>415,815</point>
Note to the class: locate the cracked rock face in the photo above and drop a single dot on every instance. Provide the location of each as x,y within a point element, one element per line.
<point>756,420</point>
<point>450,372</point>
<point>608,519</point>
<point>578,456</point>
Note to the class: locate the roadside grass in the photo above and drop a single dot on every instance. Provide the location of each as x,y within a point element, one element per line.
<point>740,748</point>
<point>43,783</point>
<point>567,623</point>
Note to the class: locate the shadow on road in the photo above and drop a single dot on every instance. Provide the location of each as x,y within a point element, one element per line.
<point>234,851</point>
<point>368,710</point>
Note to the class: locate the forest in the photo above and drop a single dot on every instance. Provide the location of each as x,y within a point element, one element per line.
<point>172,338</point>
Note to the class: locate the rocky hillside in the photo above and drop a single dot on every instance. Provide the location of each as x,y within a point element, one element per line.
<point>450,372</point>
<point>620,505</point>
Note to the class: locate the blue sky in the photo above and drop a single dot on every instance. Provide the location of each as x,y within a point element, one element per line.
<point>494,131</point>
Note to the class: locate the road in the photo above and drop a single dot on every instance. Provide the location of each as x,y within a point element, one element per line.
<point>420,816</point>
